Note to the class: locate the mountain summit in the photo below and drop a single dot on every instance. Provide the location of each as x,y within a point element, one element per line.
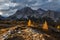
<point>25,12</point>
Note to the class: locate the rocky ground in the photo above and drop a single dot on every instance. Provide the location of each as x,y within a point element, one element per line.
<point>29,34</point>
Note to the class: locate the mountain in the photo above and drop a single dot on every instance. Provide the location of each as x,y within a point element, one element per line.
<point>52,14</point>
<point>25,12</point>
<point>41,12</point>
<point>2,18</point>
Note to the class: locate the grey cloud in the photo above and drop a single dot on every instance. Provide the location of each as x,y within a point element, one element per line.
<point>9,7</point>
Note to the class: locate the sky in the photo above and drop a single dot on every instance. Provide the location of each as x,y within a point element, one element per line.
<point>9,7</point>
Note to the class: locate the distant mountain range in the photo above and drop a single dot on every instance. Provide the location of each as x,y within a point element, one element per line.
<point>27,11</point>
<point>2,18</point>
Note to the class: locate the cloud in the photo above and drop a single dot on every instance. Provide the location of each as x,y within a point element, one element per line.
<point>6,7</point>
<point>1,13</point>
<point>49,0</point>
<point>9,7</point>
<point>8,13</point>
<point>3,7</point>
